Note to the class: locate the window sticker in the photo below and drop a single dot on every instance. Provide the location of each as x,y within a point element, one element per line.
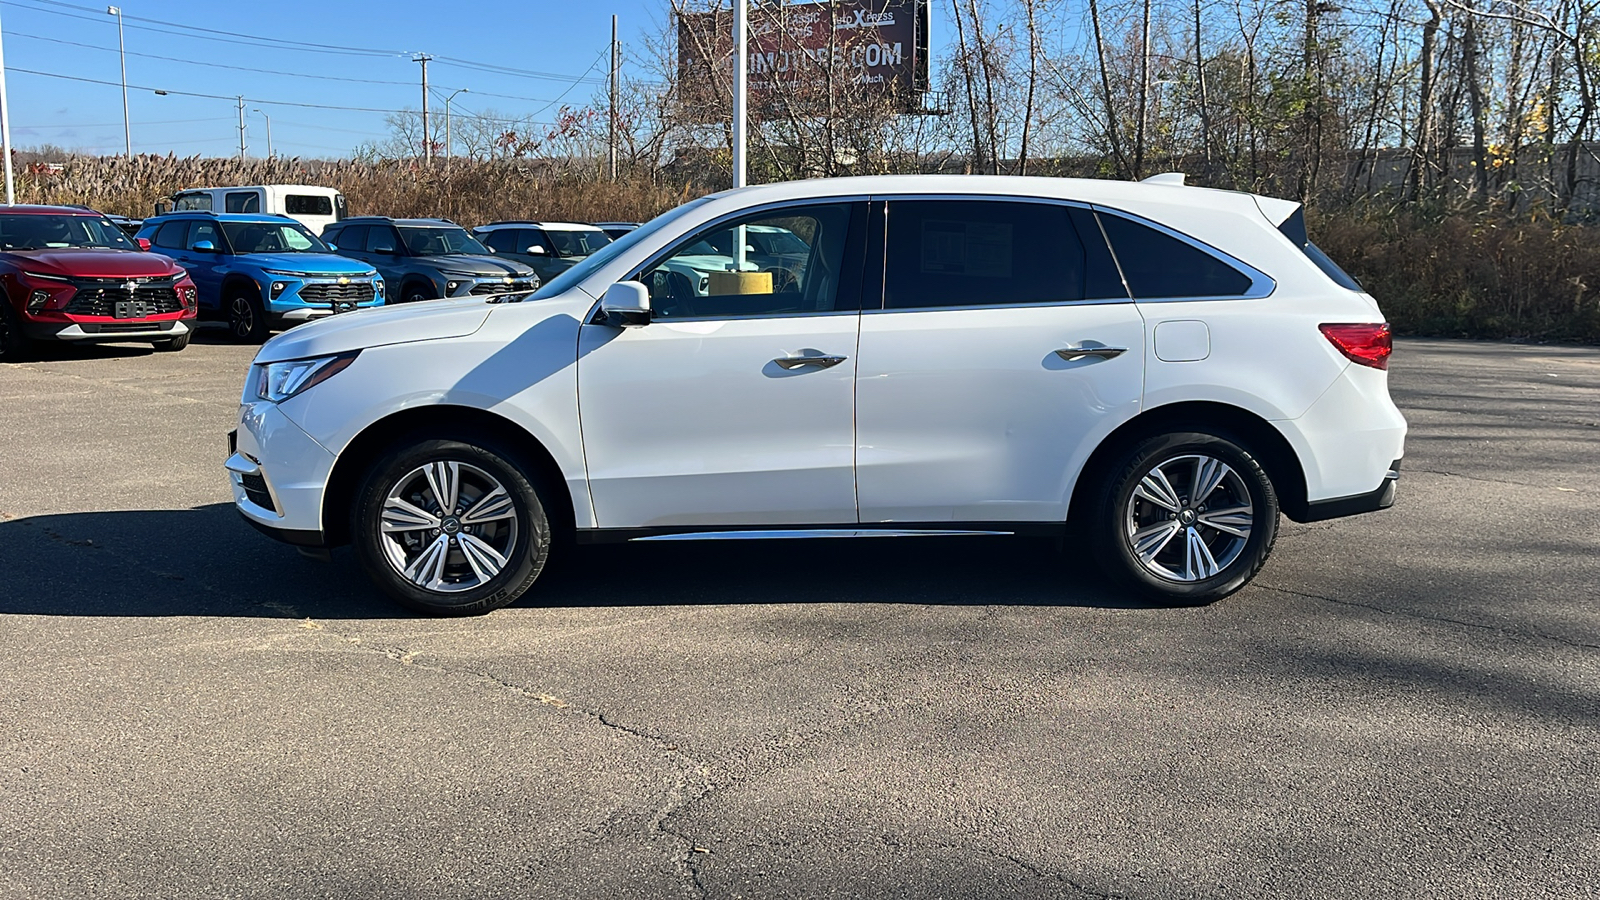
<point>973,249</point>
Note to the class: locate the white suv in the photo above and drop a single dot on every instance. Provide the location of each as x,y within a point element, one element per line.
<point>1156,370</point>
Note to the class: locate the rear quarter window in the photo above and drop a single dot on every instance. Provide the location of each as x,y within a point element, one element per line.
<point>307,205</point>
<point>1159,266</point>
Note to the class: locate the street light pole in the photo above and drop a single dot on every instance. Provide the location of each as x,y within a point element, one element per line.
<point>269,130</point>
<point>741,45</point>
<point>122,50</point>
<point>5,126</point>
<point>447,100</point>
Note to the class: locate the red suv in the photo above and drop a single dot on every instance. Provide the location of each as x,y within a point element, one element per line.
<point>71,275</point>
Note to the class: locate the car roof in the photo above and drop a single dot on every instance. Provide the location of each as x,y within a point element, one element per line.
<point>261,218</point>
<point>1086,190</point>
<point>42,210</point>
<point>548,226</point>
<point>374,220</point>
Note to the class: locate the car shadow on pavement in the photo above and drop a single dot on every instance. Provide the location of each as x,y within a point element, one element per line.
<point>207,562</point>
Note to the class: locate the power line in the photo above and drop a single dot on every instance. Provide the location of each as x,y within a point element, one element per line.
<point>206,96</point>
<point>119,124</point>
<point>210,33</point>
<point>196,62</point>
<point>517,73</point>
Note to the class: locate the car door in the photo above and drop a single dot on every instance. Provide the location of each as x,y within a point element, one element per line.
<point>1004,349</point>
<point>735,405</point>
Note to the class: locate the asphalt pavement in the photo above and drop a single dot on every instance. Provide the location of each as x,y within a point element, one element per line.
<point>1403,704</point>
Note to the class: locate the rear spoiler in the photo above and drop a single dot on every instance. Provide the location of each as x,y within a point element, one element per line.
<point>1289,216</point>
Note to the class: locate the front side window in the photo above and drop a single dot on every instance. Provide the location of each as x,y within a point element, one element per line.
<point>699,280</point>
<point>51,232</point>
<point>508,240</point>
<point>1160,266</point>
<point>380,239</point>
<point>205,231</point>
<point>271,237</point>
<point>945,253</point>
<point>242,202</point>
<point>438,241</point>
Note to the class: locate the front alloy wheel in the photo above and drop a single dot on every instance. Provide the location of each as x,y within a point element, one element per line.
<point>451,527</point>
<point>1186,518</point>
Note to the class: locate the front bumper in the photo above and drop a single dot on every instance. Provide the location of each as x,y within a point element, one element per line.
<point>278,474</point>
<point>292,300</point>
<point>108,330</point>
<point>487,286</point>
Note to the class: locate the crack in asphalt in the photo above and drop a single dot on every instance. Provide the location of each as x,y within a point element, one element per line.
<point>1037,872</point>
<point>1445,620</point>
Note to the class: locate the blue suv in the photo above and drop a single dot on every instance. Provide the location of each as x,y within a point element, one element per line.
<point>260,272</point>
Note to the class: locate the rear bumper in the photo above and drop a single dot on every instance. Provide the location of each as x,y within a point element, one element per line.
<point>92,332</point>
<point>1372,501</point>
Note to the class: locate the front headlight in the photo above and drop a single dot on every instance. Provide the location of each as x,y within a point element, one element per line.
<point>279,381</point>
<point>461,276</point>
<point>287,273</point>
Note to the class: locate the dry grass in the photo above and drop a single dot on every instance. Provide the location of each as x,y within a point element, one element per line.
<point>1473,274</point>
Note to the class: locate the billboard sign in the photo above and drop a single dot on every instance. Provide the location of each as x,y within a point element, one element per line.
<point>805,56</point>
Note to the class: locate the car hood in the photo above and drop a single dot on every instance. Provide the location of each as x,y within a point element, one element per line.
<point>310,263</point>
<point>378,326</point>
<point>478,265</point>
<point>81,262</point>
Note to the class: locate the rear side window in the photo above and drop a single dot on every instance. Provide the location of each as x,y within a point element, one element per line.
<point>173,235</point>
<point>942,253</point>
<point>1159,266</point>
<point>307,205</point>
<point>242,202</point>
<point>352,237</point>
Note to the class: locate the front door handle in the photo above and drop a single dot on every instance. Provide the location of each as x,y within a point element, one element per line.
<point>821,362</point>
<point>1073,354</point>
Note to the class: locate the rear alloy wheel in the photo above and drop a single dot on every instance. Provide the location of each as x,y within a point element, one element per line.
<point>451,527</point>
<point>1187,518</point>
<point>247,320</point>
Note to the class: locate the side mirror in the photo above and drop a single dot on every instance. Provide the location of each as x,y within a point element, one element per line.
<point>625,304</point>
<point>204,247</point>
<point>488,248</point>
<point>144,243</point>
<point>536,250</point>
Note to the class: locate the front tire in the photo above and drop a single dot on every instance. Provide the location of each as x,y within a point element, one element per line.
<point>173,345</point>
<point>416,293</point>
<point>1185,518</point>
<point>247,318</point>
<point>15,345</point>
<point>451,527</point>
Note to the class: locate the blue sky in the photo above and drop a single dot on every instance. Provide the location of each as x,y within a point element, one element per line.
<point>563,38</point>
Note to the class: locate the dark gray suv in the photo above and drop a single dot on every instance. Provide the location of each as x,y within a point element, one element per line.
<point>425,259</point>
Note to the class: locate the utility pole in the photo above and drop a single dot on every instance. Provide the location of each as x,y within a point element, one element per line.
<point>611,166</point>
<point>241,127</point>
<point>122,49</point>
<point>427,142</point>
<point>5,126</point>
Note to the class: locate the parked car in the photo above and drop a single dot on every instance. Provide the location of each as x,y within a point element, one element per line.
<point>260,272</point>
<point>549,248</point>
<point>1163,367</point>
<point>312,206</point>
<point>615,230</point>
<point>69,274</point>
<point>426,259</point>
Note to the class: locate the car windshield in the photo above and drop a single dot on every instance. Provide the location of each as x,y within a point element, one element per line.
<point>590,264</point>
<point>432,241</point>
<point>271,237</point>
<point>47,232</point>
<point>577,243</point>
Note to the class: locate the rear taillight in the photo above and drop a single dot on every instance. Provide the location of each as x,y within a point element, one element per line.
<point>1366,344</point>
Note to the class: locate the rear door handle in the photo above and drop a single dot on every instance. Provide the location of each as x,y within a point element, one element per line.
<point>821,362</point>
<point>1073,354</point>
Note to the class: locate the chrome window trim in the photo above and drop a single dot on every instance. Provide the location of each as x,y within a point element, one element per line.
<point>889,199</point>
<point>1262,285</point>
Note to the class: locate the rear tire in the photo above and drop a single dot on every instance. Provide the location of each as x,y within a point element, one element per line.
<point>15,346</point>
<point>451,527</point>
<point>247,318</point>
<point>173,345</point>
<point>1185,518</point>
